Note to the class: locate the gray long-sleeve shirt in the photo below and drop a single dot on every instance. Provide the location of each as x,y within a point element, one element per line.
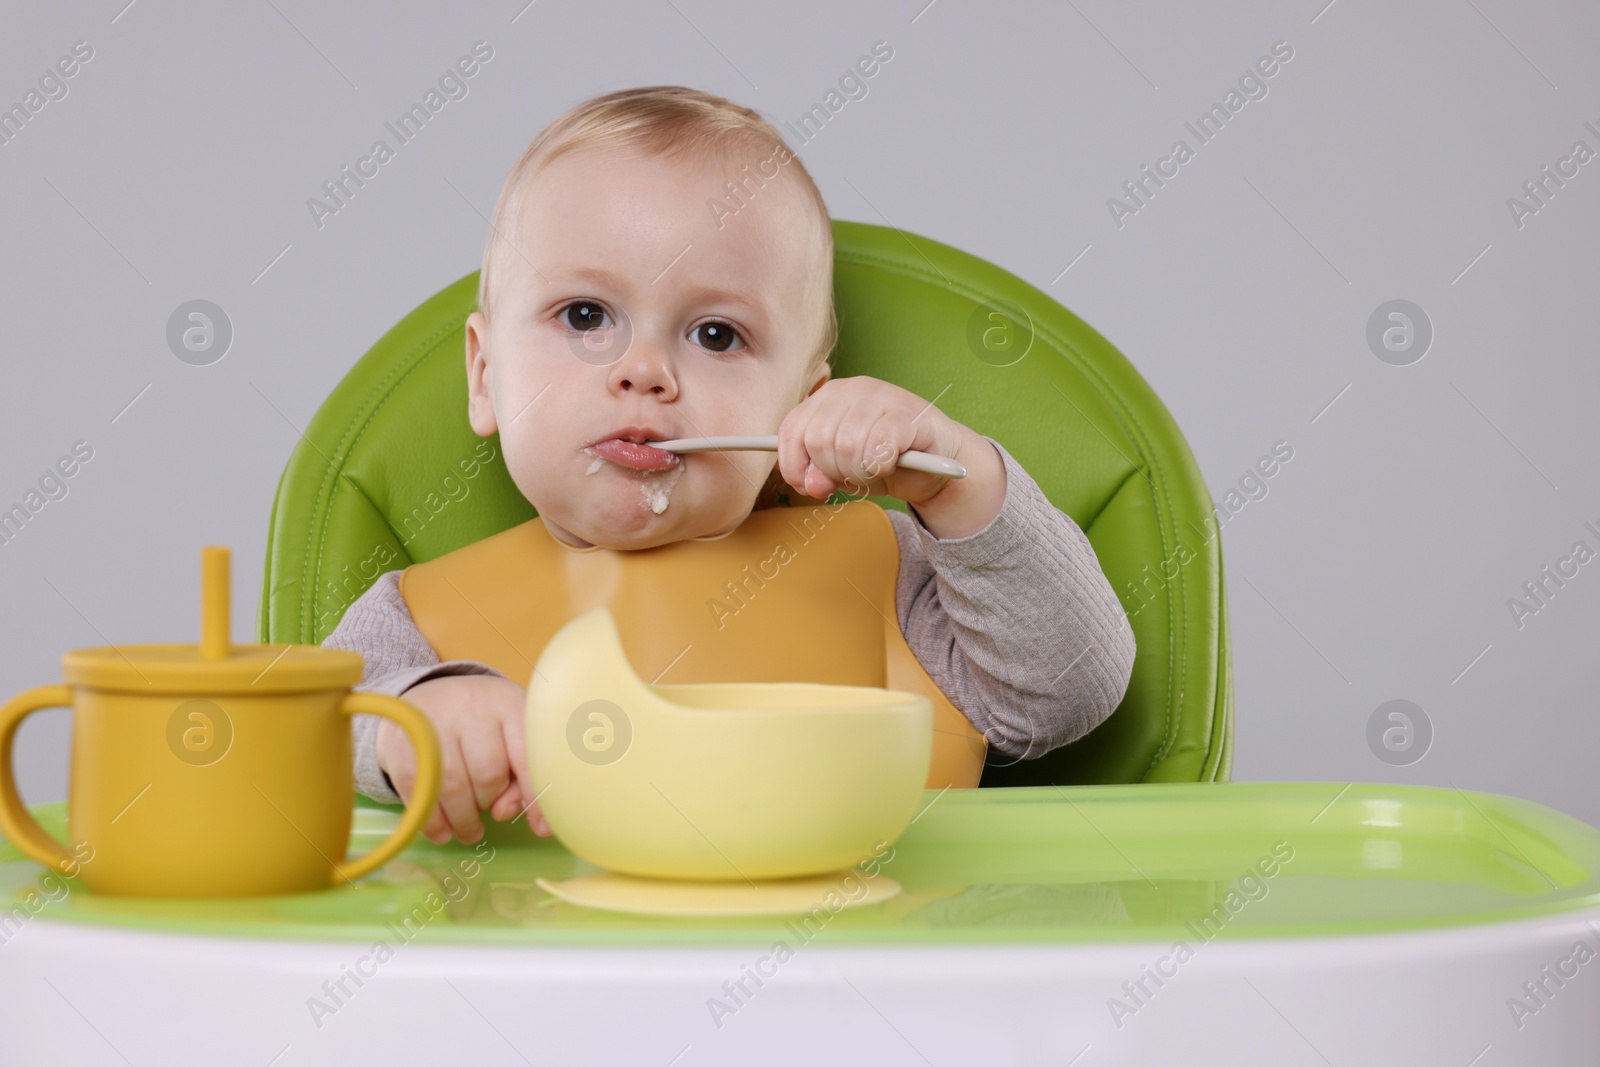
<point>1016,624</point>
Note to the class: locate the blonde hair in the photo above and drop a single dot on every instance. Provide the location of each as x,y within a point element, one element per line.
<point>658,120</point>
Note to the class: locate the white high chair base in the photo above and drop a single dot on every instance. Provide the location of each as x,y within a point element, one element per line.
<point>90,995</point>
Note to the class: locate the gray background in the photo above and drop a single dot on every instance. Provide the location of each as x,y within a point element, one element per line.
<point>1378,566</point>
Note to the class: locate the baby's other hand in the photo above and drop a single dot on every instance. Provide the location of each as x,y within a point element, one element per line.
<point>479,722</point>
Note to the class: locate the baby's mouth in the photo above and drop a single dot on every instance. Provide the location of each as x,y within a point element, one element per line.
<point>635,456</point>
<point>660,475</point>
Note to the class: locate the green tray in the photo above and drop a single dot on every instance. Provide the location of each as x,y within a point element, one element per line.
<point>1035,864</point>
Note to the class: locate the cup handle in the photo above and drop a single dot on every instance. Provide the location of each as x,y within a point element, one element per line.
<point>16,821</point>
<point>424,791</point>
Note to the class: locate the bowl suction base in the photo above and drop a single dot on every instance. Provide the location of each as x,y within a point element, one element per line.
<point>832,892</point>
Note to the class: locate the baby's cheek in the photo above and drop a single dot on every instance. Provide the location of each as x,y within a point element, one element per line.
<point>532,474</point>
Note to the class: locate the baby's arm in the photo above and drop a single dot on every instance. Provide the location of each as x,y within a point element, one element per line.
<point>475,711</point>
<point>1016,623</point>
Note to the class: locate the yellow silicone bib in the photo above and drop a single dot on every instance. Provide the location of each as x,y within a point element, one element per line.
<point>801,594</point>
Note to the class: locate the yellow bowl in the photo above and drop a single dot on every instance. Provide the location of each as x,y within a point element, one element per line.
<point>717,781</point>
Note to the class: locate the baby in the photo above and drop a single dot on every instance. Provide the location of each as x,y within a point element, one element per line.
<point>660,266</point>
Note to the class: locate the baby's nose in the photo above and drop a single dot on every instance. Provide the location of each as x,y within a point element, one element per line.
<point>644,368</point>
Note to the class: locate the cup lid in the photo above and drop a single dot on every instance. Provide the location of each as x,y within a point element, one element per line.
<point>216,664</point>
<point>186,669</point>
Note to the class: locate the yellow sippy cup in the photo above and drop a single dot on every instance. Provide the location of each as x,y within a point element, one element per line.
<point>215,770</point>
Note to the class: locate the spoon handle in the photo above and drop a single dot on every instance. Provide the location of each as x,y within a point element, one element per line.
<point>911,460</point>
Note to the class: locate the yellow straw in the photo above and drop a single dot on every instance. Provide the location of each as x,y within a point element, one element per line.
<point>215,642</point>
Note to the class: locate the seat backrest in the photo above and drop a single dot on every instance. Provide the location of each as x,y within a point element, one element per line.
<point>390,473</point>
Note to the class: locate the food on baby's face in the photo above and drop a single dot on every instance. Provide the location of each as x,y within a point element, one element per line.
<point>658,490</point>
<point>656,483</point>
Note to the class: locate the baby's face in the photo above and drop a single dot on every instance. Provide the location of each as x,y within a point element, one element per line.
<point>625,309</point>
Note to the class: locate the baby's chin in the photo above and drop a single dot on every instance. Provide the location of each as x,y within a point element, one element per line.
<point>630,510</point>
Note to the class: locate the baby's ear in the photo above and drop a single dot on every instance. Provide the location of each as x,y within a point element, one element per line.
<point>480,409</point>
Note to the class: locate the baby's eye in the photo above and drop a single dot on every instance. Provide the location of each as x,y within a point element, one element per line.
<point>717,336</point>
<point>584,315</point>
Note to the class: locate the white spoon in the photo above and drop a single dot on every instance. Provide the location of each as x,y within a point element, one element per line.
<point>912,460</point>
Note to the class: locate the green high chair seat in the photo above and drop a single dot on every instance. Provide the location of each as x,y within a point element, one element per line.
<point>388,474</point>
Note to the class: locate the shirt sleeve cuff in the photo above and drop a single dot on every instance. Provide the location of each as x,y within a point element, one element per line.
<point>1004,531</point>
